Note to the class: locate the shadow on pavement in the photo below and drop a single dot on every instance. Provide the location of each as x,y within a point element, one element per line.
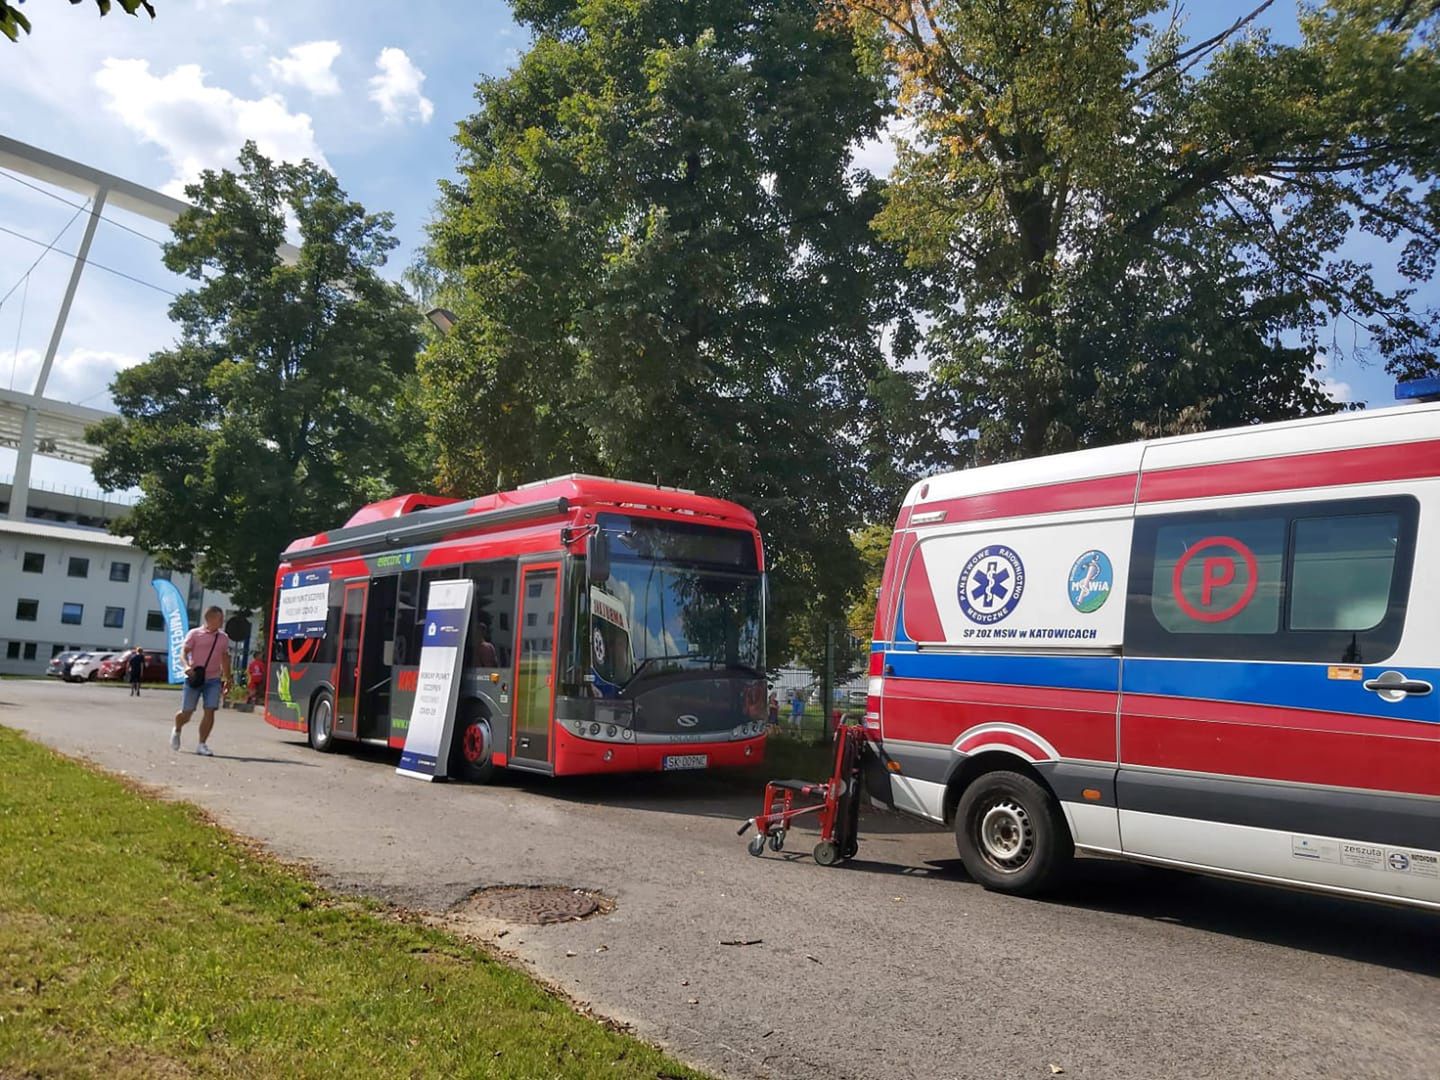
<point>1405,939</point>
<point>264,760</point>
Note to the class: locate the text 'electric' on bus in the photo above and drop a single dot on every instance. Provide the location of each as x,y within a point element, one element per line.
<point>615,627</point>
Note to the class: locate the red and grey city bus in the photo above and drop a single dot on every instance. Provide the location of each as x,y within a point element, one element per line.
<point>615,627</point>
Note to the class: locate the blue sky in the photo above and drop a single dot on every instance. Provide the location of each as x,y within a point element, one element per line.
<point>375,96</point>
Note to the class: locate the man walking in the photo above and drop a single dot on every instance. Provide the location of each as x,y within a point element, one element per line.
<point>206,656</point>
<point>135,668</point>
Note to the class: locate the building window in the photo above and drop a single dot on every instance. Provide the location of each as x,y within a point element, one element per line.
<point>12,651</point>
<point>34,562</point>
<point>115,618</point>
<point>72,614</point>
<point>154,621</point>
<point>162,573</point>
<point>56,650</point>
<point>79,567</point>
<point>27,610</point>
<point>29,650</point>
<point>119,571</point>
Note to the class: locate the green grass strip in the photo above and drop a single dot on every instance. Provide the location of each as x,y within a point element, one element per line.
<point>137,939</point>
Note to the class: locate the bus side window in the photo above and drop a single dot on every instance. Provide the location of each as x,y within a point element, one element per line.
<point>489,644</point>
<point>405,617</point>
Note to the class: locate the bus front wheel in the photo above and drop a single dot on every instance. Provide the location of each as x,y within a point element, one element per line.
<point>1011,834</point>
<point>472,749</point>
<point>322,722</point>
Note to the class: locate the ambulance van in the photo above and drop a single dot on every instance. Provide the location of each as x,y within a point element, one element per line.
<point>1217,652</point>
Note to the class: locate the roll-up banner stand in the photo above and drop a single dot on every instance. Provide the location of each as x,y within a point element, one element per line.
<point>437,690</point>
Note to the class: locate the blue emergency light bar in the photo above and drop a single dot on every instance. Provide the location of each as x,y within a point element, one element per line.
<point>1426,389</point>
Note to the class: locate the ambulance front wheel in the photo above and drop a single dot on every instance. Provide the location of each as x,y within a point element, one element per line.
<point>1012,834</point>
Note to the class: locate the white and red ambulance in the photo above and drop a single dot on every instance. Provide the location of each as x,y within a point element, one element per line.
<point>1216,652</point>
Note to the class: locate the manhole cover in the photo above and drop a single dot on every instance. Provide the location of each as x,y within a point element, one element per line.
<point>534,904</point>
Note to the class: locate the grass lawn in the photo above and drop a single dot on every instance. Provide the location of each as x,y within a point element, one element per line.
<point>137,940</point>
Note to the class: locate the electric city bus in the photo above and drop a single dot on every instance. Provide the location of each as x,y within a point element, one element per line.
<point>615,627</point>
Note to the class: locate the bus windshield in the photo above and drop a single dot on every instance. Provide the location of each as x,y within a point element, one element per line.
<point>678,598</point>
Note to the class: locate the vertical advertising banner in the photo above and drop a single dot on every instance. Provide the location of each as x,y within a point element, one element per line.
<point>437,690</point>
<point>177,625</point>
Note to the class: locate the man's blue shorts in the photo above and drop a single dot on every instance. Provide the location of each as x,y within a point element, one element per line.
<point>190,695</point>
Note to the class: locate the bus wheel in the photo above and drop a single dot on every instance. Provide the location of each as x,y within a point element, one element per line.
<point>472,747</point>
<point>322,719</point>
<point>1011,834</point>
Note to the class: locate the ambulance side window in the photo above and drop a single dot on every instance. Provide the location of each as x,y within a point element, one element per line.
<point>1325,582</point>
<point>1343,570</point>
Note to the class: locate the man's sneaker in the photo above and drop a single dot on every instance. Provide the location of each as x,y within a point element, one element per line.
<point>175,739</point>
<point>204,751</point>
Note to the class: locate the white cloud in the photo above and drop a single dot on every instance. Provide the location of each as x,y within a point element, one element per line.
<point>396,89</point>
<point>308,65</point>
<point>877,155</point>
<point>1336,390</point>
<point>82,376</point>
<point>200,126</point>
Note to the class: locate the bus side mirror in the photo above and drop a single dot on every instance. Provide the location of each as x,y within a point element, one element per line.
<point>598,557</point>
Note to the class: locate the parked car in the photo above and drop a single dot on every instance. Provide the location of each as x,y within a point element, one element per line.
<point>60,664</point>
<point>117,669</point>
<point>86,667</point>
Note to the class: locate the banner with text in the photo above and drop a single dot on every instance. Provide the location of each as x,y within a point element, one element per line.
<point>177,625</point>
<point>442,652</point>
<point>304,604</point>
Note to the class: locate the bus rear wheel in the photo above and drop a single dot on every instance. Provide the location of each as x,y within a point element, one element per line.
<point>322,721</point>
<point>1011,834</point>
<point>472,748</point>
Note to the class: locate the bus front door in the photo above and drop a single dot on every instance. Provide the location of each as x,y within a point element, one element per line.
<point>535,662</point>
<point>347,674</point>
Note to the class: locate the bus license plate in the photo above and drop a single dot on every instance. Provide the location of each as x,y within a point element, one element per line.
<point>686,761</point>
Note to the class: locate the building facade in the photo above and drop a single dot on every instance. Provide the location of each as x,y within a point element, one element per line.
<point>65,585</point>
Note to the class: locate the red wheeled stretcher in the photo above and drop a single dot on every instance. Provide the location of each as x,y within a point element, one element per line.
<point>838,805</point>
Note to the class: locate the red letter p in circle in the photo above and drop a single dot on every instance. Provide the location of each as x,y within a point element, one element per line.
<point>1216,572</point>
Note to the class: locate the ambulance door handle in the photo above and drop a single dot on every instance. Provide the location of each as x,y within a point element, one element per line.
<point>1394,686</point>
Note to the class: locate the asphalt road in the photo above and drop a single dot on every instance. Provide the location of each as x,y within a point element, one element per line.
<point>895,966</point>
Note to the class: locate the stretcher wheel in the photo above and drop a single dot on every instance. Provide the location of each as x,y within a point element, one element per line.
<point>777,841</point>
<point>852,849</point>
<point>756,845</point>
<point>827,853</point>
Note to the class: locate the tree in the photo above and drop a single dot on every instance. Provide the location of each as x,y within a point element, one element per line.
<point>12,22</point>
<point>286,401</point>
<point>1131,234</point>
<point>662,268</point>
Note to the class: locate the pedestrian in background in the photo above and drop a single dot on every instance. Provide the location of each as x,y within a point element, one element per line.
<point>135,668</point>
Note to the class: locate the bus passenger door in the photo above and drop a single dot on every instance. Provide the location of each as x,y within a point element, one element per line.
<point>536,647</point>
<point>347,675</point>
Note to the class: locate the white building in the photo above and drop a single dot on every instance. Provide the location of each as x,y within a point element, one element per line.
<point>66,585</point>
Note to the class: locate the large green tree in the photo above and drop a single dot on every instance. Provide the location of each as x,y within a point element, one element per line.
<point>12,21</point>
<point>661,261</point>
<point>1131,233</point>
<point>285,402</point>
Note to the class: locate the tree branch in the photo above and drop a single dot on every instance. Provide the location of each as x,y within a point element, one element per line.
<point>1198,52</point>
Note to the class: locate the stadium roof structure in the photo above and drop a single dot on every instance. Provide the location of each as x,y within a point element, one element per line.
<point>32,423</point>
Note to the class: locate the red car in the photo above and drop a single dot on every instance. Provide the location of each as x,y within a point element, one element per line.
<point>157,668</point>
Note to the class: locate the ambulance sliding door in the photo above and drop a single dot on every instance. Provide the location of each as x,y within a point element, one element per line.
<point>1279,714</point>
